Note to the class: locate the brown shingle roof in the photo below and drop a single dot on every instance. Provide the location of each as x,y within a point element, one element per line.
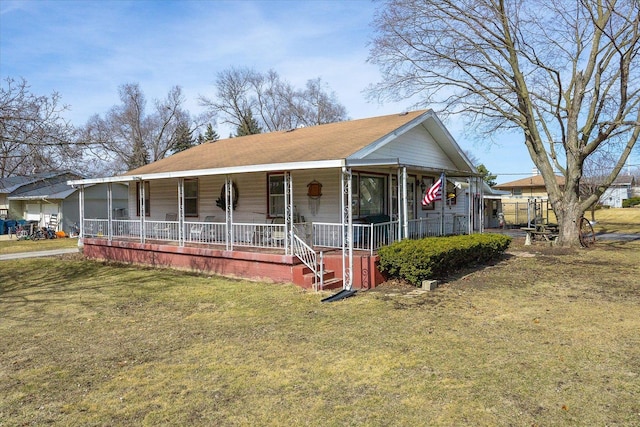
<point>324,142</point>
<point>531,181</point>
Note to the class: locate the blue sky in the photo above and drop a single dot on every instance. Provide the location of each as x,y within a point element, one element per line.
<point>84,50</point>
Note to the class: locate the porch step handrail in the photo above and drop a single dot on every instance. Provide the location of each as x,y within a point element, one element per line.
<point>309,257</point>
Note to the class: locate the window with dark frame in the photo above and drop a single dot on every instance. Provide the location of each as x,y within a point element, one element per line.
<point>191,197</point>
<point>369,194</point>
<point>147,198</point>
<point>275,196</point>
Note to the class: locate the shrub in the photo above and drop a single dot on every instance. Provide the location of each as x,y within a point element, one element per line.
<point>436,257</point>
<point>629,203</point>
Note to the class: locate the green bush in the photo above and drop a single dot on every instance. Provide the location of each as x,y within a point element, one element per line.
<point>437,257</point>
<point>629,203</point>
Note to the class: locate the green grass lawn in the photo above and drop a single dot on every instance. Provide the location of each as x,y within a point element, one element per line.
<point>547,336</point>
<point>16,246</point>
<point>619,220</point>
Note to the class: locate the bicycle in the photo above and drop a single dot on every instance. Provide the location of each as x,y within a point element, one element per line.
<point>21,232</point>
<point>37,234</point>
<point>585,233</point>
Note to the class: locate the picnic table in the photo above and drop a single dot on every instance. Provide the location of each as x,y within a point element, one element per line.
<point>546,232</point>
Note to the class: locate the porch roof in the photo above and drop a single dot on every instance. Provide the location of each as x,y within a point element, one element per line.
<point>332,145</point>
<point>58,191</point>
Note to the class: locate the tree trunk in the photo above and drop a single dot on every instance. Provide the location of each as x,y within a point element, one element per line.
<point>568,221</point>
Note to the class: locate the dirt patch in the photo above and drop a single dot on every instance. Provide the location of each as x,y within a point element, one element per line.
<point>393,286</point>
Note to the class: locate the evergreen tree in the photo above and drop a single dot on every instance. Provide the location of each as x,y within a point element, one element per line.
<point>486,175</point>
<point>211,135</point>
<point>248,125</point>
<point>184,138</point>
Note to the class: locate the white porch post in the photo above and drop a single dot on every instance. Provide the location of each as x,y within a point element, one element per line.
<point>228,194</point>
<point>481,206</point>
<point>470,204</point>
<point>443,201</point>
<point>143,211</point>
<point>405,205</point>
<point>399,201</point>
<point>109,212</point>
<point>81,208</point>
<point>347,228</point>
<point>180,211</point>
<point>288,213</point>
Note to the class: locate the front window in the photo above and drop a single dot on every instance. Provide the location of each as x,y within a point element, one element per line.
<point>368,195</point>
<point>276,195</point>
<point>191,197</point>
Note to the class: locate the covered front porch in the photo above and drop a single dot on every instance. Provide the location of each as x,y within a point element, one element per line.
<point>303,197</point>
<point>316,227</point>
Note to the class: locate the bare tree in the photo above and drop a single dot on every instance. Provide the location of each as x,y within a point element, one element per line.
<point>564,72</point>
<point>318,106</point>
<point>244,95</point>
<point>34,137</point>
<point>130,137</point>
<point>596,170</point>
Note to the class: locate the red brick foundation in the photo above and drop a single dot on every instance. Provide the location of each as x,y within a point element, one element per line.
<point>270,267</point>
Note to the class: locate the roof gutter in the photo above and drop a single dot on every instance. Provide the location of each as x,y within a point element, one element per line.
<point>320,164</point>
<point>43,198</point>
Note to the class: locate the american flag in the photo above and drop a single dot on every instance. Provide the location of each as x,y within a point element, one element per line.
<point>435,192</point>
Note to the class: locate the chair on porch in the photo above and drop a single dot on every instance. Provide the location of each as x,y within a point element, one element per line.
<point>277,234</point>
<point>164,230</point>
<point>203,232</point>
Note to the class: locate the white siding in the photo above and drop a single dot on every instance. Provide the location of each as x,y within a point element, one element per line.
<point>415,147</point>
<point>252,201</point>
<point>328,204</point>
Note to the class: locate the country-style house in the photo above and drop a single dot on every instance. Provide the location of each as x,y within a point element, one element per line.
<point>310,205</point>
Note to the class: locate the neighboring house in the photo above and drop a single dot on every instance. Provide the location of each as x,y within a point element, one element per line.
<point>37,197</point>
<point>268,205</point>
<point>493,210</point>
<point>531,187</point>
<point>621,189</point>
<point>527,200</point>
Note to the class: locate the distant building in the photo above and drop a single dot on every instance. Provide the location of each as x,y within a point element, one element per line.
<point>37,197</point>
<point>531,187</point>
<point>621,189</point>
<point>527,200</point>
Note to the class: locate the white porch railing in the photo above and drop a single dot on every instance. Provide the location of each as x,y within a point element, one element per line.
<point>366,237</point>
<point>96,227</point>
<point>205,232</point>
<point>162,230</point>
<point>309,258</point>
<point>127,228</point>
